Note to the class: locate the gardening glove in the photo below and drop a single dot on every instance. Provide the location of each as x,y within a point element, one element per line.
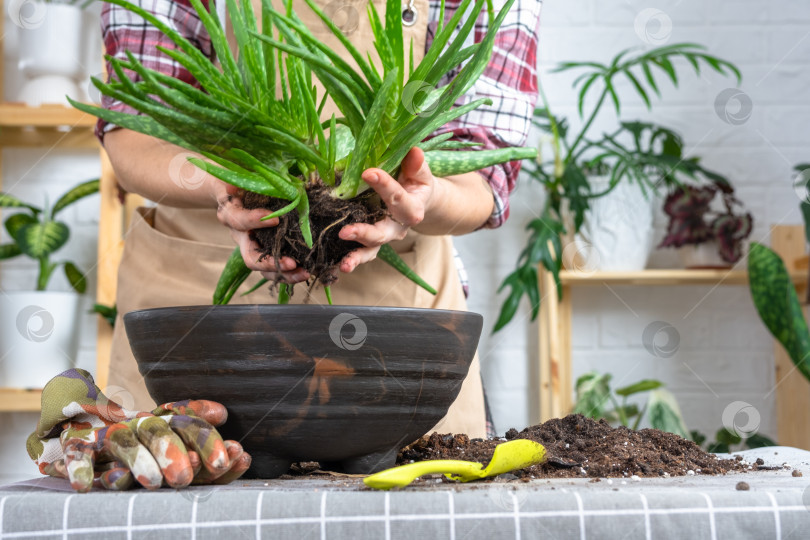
<point>89,440</point>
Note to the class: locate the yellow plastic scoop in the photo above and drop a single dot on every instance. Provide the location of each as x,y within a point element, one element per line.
<point>508,456</point>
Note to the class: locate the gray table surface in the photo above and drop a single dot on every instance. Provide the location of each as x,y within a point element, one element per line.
<point>777,505</point>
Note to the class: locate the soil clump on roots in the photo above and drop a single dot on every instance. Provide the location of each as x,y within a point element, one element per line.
<point>580,447</point>
<point>327,216</point>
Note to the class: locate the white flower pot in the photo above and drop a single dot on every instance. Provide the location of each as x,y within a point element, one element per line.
<point>703,255</point>
<point>617,234</point>
<point>38,336</point>
<point>50,54</point>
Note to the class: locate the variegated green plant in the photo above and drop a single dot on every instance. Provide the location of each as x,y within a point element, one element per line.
<point>37,233</point>
<point>272,141</point>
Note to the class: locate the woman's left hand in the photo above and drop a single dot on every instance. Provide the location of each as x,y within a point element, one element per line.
<point>408,200</point>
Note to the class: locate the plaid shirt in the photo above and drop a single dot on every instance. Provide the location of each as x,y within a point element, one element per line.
<point>510,79</point>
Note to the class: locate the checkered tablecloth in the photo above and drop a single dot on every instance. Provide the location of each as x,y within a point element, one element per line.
<point>777,506</point>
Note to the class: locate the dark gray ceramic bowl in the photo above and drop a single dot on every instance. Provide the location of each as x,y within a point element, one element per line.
<point>343,385</point>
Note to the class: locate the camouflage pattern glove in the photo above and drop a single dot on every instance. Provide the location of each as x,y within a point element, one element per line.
<point>88,439</point>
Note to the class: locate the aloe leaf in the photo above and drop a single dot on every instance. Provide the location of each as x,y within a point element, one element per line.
<point>184,44</point>
<point>366,67</point>
<point>381,42</point>
<point>282,211</point>
<point>391,257</point>
<point>233,275</point>
<point>302,33</point>
<point>255,287</point>
<point>360,155</point>
<point>439,42</point>
<point>81,191</point>
<point>316,61</point>
<point>303,219</point>
<point>435,142</point>
<point>451,162</point>
<point>418,130</point>
<point>283,293</point>
<point>253,182</point>
<point>450,57</point>
<point>327,290</point>
<point>393,29</point>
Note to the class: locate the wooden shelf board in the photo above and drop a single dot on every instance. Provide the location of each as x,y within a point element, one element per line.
<point>19,400</point>
<point>662,277</point>
<point>17,137</point>
<point>20,115</point>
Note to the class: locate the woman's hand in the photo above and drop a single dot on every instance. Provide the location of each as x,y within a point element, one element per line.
<point>408,200</point>
<point>240,222</point>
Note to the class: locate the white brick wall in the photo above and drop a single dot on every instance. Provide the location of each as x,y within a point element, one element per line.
<point>725,354</point>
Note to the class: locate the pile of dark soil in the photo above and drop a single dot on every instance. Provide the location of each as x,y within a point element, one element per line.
<point>578,447</point>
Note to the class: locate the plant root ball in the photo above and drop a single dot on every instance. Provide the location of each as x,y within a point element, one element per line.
<point>327,216</point>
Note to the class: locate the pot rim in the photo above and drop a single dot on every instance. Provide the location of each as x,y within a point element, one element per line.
<point>304,308</point>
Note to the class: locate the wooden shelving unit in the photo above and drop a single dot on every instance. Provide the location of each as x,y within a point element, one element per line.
<point>657,277</point>
<point>555,379</point>
<point>46,126</point>
<point>19,400</point>
<point>49,126</point>
<point>58,126</point>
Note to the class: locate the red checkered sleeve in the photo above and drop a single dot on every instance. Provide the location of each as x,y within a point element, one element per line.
<point>510,81</point>
<point>122,30</point>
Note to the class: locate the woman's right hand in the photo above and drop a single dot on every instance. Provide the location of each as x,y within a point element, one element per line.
<point>241,222</point>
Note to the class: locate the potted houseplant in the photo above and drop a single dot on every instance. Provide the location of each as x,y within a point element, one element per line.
<point>310,176</point>
<point>50,48</point>
<point>707,238</point>
<point>38,334</point>
<point>640,157</point>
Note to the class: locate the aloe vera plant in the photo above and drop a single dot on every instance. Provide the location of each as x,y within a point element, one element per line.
<point>273,143</point>
<point>37,233</point>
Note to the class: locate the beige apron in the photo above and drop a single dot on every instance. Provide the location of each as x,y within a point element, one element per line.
<point>173,257</point>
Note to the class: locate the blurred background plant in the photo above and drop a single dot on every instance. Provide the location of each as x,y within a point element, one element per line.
<point>644,153</point>
<point>595,399</point>
<point>37,234</point>
<point>692,222</point>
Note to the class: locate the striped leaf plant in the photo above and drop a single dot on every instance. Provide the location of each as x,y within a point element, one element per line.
<point>256,117</point>
<point>37,233</point>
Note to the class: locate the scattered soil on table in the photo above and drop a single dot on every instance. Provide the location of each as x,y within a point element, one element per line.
<point>327,216</point>
<point>578,447</point>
